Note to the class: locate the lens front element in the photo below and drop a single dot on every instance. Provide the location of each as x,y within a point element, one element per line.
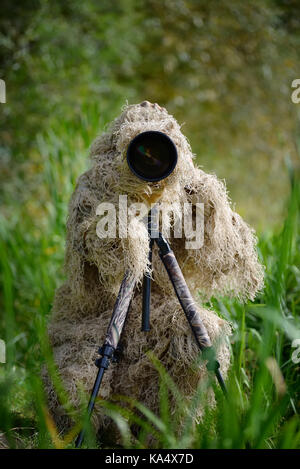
<point>152,156</point>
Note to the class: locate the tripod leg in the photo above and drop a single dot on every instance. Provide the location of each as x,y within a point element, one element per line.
<point>152,229</point>
<point>111,342</point>
<point>147,295</point>
<point>189,307</point>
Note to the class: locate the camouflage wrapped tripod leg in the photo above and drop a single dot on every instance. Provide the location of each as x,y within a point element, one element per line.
<point>189,307</point>
<point>113,335</point>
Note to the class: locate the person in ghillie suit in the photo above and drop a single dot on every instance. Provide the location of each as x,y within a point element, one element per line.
<point>226,264</point>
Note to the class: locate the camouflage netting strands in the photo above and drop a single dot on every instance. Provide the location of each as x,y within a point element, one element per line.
<point>226,264</point>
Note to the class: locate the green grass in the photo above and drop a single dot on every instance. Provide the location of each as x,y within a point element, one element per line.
<point>262,409</point>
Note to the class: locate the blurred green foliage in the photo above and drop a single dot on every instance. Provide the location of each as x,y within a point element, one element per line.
<point>224,68</point>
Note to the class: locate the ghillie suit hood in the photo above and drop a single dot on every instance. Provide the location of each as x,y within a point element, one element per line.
<point>226,264</point>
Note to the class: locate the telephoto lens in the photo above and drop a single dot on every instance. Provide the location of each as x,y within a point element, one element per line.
<point>152,156</point>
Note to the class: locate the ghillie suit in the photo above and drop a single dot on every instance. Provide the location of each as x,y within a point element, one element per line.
<point>225,264</point>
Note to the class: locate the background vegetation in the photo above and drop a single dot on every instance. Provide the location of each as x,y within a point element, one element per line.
<point>225,69</point>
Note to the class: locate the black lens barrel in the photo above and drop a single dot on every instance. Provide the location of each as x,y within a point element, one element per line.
<point>152,156</point>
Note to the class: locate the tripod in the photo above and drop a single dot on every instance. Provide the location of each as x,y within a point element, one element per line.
<point>122,305</point>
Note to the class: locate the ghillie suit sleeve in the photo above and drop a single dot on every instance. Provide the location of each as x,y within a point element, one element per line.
<point>227,262</point>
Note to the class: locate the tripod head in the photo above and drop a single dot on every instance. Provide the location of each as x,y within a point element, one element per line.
<point>152,156</point>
